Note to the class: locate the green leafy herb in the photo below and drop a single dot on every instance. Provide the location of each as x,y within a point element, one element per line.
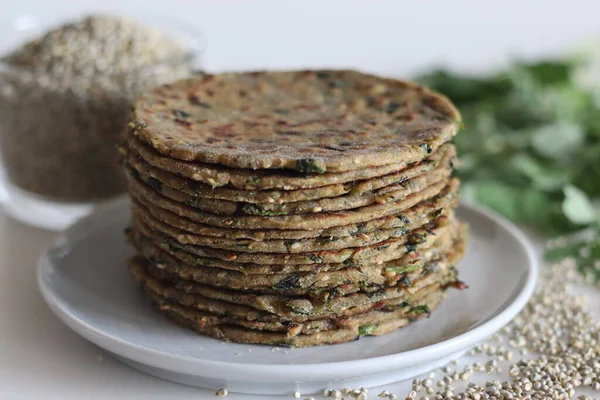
<point>430,268</point>
<point>530,148</point>
<point>253,209</point>
<point>404,219</point>
<point>400,232</point>
<point>423,309</point>
<point>427,147</point>
<point>405,281</point>
<point>577,207</point>
<point>366,330</point>
<point>303,307</point>
<point>290,282</point>
<point>360,227</point>
<point>180,114</point>
<point>155,184</point>
<point>558,140</point>
<point>325,239</point>
<point>315,258</point>
<point>309,166</point>
<point>255,180</point>
<point>392,107</point>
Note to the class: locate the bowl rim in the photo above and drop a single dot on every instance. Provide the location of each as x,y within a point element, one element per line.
<point>194,40</point>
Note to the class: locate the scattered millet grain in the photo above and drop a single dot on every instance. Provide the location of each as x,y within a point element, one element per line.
<point>555,325</point>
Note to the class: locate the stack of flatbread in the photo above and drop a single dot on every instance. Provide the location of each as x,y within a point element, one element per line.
<point>294,208</point>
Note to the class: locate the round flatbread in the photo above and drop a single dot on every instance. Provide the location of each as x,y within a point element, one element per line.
<point>366,319</point>
<point>309,121</point>
<point>156,177</point>
<point>379,252</point>
<point>245,179</point>
<point>367,277</point>
<point>288,309</point>
<point>415,220</point>
<point>417,180</point>
<point>336,303</point>
<point>447,197</point>
<point>148,247</point>
<point>374,323</point>
<point>138,190</point>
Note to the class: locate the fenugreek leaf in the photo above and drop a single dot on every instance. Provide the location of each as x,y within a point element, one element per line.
<point>366,330</point>
<point>577,206</point>
<point>422,309</point>
<point>529,148</point>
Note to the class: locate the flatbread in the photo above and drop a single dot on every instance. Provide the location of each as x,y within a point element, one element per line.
<point>140,190</point>
<point>341,299</point>
<point>310,121</point>
<point>245,179</point>
<point>148,247</point>
<point>447,197</point>
<point>273,307</point>
<point>417,181</point>
<point>376,323</point>
<point>368,319</point>
<point>158,177</point>
<point>142,214</point>
<point>366,276</point>
<point>379,252</point>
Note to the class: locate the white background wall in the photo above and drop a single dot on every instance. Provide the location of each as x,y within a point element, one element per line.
<point>390,37</point>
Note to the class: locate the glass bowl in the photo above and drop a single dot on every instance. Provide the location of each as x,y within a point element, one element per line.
<point>59,133</point>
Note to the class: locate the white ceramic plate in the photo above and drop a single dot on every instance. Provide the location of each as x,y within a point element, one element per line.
<point>84,280</point>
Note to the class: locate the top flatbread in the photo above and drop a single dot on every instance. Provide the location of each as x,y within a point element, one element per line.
<point>309,121</point>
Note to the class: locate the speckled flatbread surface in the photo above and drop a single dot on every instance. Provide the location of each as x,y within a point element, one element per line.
<point>167,224</point>
<point>379,252</point>
<point>310,121</point>
<point>177,215</point>
<point>160,177</point>
<point>373,323</point>
<point>341,301</point>
<point>411,181</point>
<point>139,190</point>
<point>301,280</point>
<point>247,179</point>
<point>210,312</point>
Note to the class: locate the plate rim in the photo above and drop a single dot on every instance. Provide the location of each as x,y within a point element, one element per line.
<point>299,371</point>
